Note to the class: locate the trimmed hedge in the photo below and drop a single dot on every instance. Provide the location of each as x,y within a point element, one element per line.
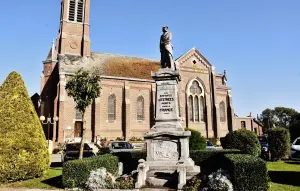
<point>247,172</point>
<point>23,148</point>
<point>210,160</point>
<point>196,141</point>
<point>76,172</point>
<point>244,140</point>
<point>279,143</point>
<point>207,160</point>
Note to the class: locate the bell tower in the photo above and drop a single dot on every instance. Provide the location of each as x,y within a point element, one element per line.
<point>74,30</point>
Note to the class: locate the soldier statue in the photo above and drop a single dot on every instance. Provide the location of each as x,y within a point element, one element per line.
<point>166,50</point>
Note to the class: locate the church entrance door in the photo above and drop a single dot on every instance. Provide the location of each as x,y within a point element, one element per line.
<point>77,129</point>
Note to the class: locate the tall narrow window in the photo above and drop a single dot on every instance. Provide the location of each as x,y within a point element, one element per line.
<point>191,113</point>
<point>78,115</point>
<point>196,109</point>
<point>222,111</point>
<point>243,124</point>
<point>80,11</point>
<point>202,109</point>
<point>112,108</point>
<point>72,10</point>
<point>140,108</point>
<point>196,102</point>
<point>76,10</point>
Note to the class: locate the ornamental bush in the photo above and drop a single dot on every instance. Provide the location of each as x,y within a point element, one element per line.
<point>279,143</point>
<point>243,140</point>
<point>23,148</point>
<point>196,142</point>
<point>247,172</point>
<point>211,160</point>
<point>76,172</point>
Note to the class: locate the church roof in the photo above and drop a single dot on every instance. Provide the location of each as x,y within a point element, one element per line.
<point>111,65</point>
<point>124,66</point>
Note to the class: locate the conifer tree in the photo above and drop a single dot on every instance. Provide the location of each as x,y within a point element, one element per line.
<point>23,148</point>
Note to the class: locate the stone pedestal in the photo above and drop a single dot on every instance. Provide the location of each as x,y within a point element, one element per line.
<point>168,161</point>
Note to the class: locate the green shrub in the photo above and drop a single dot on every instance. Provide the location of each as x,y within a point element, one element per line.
<point>196,142</point>
<point>279,143</point>
<point>210,160</point>
<point>76,172</point>
<point>23,148</point>
<point>244,140</point>
<point>247,172</point>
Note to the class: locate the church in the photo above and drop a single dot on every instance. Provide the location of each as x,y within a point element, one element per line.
<point>126,106</point>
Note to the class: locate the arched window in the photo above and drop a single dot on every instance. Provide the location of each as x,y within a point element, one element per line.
<point>191,109</point>
<point>196,109</point>
<point>202,109</point>
<point>195,88</point>
<point>111,108</point>
<point>196,102</point>
<point>222,111</point>
<point>78,115</point>
<point>76,10</point>
<point>140,108</point>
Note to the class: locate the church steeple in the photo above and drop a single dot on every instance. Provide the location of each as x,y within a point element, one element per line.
<point>73,37</point>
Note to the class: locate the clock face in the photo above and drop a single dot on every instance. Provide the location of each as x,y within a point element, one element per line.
<point>73,45</point>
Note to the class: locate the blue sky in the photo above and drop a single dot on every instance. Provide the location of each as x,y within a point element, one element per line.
<point>257,42</point>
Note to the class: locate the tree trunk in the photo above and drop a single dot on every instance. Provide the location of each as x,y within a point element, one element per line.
<point>82,138</point>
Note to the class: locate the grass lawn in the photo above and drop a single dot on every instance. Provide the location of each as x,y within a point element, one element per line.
<point>284,175</point>
<point>50,180</point>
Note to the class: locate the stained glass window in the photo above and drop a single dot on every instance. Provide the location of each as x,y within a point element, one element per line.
<point>195,88</point>
<point>202,109</point>
<point>196,109</point>
<point>191,113</point>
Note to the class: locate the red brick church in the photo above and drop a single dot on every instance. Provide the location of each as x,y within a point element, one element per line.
<point>126,105</point>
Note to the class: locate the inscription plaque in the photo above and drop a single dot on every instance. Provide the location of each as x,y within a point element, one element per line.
<point>166,101</point>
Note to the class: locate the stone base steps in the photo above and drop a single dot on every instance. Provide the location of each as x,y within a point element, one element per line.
<point>153,173</point>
